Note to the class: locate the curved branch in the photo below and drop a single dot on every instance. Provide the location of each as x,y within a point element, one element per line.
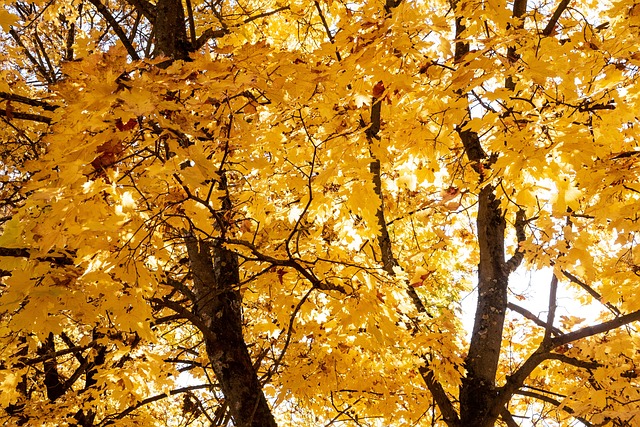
<point>518,255</point>
<point>145,7</point>
<point>156,398</point>
<point>508,418</point>
<point>555,403</point>
<point>574,362</point>
<point>210,33</point>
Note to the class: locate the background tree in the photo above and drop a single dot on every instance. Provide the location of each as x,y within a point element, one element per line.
<point>260,214</point>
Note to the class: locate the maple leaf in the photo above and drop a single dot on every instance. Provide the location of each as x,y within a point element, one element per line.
<point>208,215</point>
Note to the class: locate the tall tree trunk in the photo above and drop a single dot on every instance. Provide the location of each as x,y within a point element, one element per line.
<point>215,277</point>
<point>170,30</point>
<point>215,271</point>
<point>478,390</point>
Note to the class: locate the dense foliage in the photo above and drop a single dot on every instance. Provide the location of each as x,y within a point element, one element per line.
<point>262,213</point>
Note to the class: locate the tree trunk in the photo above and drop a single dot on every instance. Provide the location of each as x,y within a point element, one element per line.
<point>215,277</point>
<point>170,31</point>
<point>478,392</point>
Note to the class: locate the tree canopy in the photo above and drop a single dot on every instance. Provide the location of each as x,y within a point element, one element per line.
<point>267,213</point>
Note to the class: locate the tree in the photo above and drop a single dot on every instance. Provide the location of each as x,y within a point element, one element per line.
<point>260,213</point>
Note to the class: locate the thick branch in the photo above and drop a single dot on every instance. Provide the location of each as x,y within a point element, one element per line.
<point>106,14</point>
<point>145,7</point>
<point>516,380</point>
<point>25,116</point>
<point>515,261</point>
<point>508,418</point>
<point>216,276</point>
<point>170,31</point>
<point>24,253</point>
<point>519,9</point>
<point>585,364</point>
<point>209,34</point>
<point>391,4</point>
<point>52,379</point>
<point>594,330</point>
<point>449,414</point>
<point>479,405</point>
<point>555,17</point>
<point>27,101</point>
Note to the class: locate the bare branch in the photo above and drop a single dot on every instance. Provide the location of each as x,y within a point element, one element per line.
<point>591,292</point>
<point>116,28</point>
<point>555,403</point>
<point>529,315</point>
<point>28,101</point>
<point>447,410</point>
<point>508,418</point>
<point>554,19</point>
<point>518,256</point>
<point>146,8</point>
<point>595,330</point>
<point>551,314</point>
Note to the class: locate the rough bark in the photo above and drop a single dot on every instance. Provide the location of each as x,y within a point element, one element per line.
<point>215,277</point>
<point>215,272</point>
<point>170,30</point>
<point>478,390</point>
<point>52,381</point>
<point>478,387</point>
